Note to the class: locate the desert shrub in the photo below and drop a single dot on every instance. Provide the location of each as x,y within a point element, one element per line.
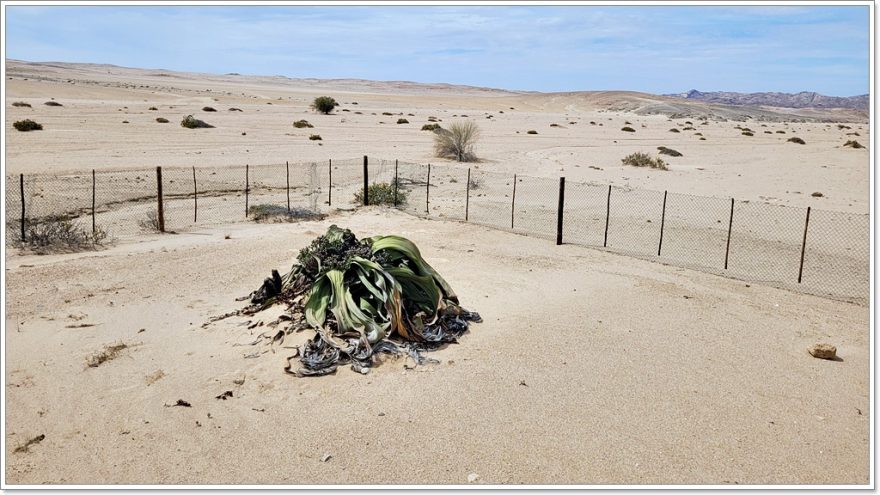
<point>431,127</point>
<point>796,140</point>
<point>161,120</point>
<point>152,108</point>
<point>747,133</point>
<point>125,122</point>
<point>841,126</point>
<point>457,142</point>
<point>639,159</point>
<point>628,129</point>
<point>381,193</point>
<point>27,125</point>
<point>768,132</point>
<point>276,213</point>
<point>698,134</point>
<point>315,137</point>
<point>402,121</point>
<point>21,104</point>
<point>780,132</point>
<point>626,122</point>
<point>674,130</point>
<point>324,104</point>
<point>817,195</point>
<point>853,134</point>
<point>57,234</point>
<point>432,119</point>
<point>53,104</point>
<point>668,151</point>
<point>689,128</point>
<point>191,122</point>
<point>555,125</point>
<point>209,109</point>
<point>853,144</point>
<point>532,132</point>
<point>150,222</point>
<point>233,109</point>
<point>300,124</point>
<point>702,139</point>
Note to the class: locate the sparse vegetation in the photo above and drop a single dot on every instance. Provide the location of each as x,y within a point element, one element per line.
<point>153,108</point>
<point>853,144</point>
<point>817,195</point>
<point>277,213</point>
<point>108,353</point>
<point>162,120</point>
<point>639,159</point>
<point>387,113</point>
<point>209,109</point>
<point>796,140</point>
<point>668,151</point>
<point>27,125</point>
<point>747,133</point>
<point>233,109</point>
<point>301,124</point>
<point>531,132</point>
<point>150,223</point>
<point>315,137</point>
<point>324,104</point>
<point>628,129</point>
<point>59,234</point>
<point>381,193</point>
<point>21,104</point>
<point>780,132</point>
<point>191,122</point>
<point>457,142</point>
<point>53,104</point>
<point>555,125</point>
<point>431,127</point>
<point>402,121</point>
<point>674,129</point>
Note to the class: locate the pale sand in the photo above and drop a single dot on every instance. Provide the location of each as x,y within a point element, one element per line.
<point>87,132</point>
<point>634,372</point>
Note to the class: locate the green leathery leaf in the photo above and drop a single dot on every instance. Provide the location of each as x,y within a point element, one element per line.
<point>316,305</point>
<point>420,289</point>
<point>396,244</point>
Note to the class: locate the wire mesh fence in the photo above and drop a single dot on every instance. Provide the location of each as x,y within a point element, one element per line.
<point>820,252</point>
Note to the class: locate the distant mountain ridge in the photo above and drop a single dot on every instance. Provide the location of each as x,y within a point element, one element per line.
<point>804,99</point>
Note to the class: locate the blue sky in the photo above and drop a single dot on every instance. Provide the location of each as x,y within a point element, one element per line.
<point>660,49</point>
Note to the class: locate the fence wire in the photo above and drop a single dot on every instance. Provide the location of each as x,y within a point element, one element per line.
<point>740,239</point>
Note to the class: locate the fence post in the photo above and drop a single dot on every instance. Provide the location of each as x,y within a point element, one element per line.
<point>330,188</point>
<point>467,196</point>
<point>161,215</point>
<point>428,192</point>
<point>21,185</point>
<point>513,202</point>
<point>395,183</point>
<point>607,216</point>
<point>195,197</point>
<point>804,245</point>
<point>559,211</point>
<point>287,165</point>
<point>247,187</point>
<point>93,201</point>
<point>662,223</point>
<point>366,182</point>
<point>729,229</point>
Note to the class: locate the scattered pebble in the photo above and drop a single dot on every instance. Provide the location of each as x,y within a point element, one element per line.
<point>823,351</point>
<point>473,477</point>
<point>326,457</point>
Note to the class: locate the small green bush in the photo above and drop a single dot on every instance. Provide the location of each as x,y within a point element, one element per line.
<point>191,122</point>
<point>674,130</point>
<point>387,113</point>
<point>780,132</point>
<point>324,104</point>
<point>233,109</point>
<point>300,124</point>
<point>27,125</point>
<point>162,120</point>
<point>796,140</point>
<point>668,151</point>
<point>639,159</point>
<point>53,104</point>
<point>628,129</point>
<point>267,213</point>
<point>817,195</point>
<point>853,144</point>
<point>402,121</point>
<point>381,193</point>
<point>315,137</point>
<point>209,109</point>
<point>532,132</point>
<point>21,104</point>
<point>431,127</point>
<point>747,133</point>
<point>152,108</point>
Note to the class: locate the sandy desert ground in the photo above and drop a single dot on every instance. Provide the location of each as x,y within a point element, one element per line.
<point>699,379</point>
<point>590,367</point>
<point>87,132</point>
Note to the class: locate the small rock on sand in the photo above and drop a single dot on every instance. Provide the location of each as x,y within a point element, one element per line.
<point>326,457</point>
<point>473,477</point>
<point>823,351</point>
